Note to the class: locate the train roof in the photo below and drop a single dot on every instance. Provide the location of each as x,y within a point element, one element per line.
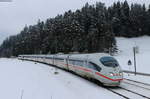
<point>72,56</point>
<point>82,56</point>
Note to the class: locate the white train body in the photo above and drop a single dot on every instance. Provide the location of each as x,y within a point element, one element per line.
<point>101,67</point>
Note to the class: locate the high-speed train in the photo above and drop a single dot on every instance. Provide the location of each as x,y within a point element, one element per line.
<point>100,66</point>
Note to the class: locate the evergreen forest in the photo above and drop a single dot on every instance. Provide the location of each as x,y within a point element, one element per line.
<point>92,28</point>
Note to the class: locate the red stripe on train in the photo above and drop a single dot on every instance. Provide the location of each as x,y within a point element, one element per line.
<point>97,73</point>
<point>83,69</point>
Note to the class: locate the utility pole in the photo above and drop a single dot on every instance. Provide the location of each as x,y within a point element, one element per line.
<point>134,51</point>
<point>22,92</point>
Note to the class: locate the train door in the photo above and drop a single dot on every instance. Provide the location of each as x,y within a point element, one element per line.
<point>67,62</point>
<point>86,73</point>
<point>53,59</point>
<point>78,66</point>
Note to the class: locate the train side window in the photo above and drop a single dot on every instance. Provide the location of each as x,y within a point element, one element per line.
<point>85,64</point>
<point>79,63</point>
<point>69,62</point>
<point>72,62</point>
<point>94,66</point>
<point>59,59</point>
<point>48,58</point>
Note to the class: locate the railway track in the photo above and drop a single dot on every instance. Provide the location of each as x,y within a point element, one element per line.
<point>131,89</point>
<point>118,93</point>
<point>127,94</point>
<point>145,86</point>
<point>138,73</point>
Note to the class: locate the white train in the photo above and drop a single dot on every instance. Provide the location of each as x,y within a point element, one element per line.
<point>101,67</point>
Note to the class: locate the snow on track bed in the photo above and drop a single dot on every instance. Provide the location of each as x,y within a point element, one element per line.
<point>138,87</point>
<point>115,92</point>
<point>138,78</point>
<point>131,89</point>
<point>137,83</point>
<point>38,81</point>
<point>127,94</point>
<point>137,73</point>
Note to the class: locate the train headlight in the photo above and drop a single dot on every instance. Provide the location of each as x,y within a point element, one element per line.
<point>120,74</point>
<point>111,74</point>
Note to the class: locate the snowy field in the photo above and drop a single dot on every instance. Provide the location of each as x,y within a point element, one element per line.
<point>38,81</point>
<point>125,47</point>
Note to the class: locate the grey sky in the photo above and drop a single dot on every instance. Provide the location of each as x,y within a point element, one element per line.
<point>16,14</point>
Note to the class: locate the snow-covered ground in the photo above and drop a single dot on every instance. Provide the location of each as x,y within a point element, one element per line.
<point>38,81</point>
<point>29,80</point>
<point>125,46</point>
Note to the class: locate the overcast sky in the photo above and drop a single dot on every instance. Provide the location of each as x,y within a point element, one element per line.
<point>16,14</point>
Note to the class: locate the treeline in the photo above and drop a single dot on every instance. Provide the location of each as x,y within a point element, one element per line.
<point>90,29</point>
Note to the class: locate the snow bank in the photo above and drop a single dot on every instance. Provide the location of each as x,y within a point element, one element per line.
<point>38,81</point>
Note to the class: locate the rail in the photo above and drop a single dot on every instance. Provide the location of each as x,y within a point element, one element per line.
<point>137,73</point>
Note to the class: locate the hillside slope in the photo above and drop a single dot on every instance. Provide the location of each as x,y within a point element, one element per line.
<point>125,46</point>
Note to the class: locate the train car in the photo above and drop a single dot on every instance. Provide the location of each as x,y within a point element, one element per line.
<point>100,66</point>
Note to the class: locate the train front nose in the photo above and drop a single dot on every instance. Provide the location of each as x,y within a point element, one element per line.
<point>112,70</point>
<point>116,76</point>
<point>114,79</point>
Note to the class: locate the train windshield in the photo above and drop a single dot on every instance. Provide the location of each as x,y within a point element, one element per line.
<point>109,62</point>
